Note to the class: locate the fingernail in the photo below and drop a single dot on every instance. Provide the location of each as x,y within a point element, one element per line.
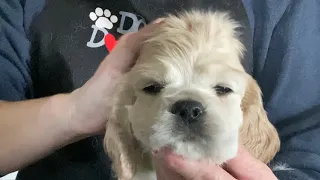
<point>156,153</point>
<point>161,152</point>
<point>157,21</point>
<point>166,150</point>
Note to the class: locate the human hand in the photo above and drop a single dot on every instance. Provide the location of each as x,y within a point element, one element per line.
<point>170,166</point>
<point>91,104</point>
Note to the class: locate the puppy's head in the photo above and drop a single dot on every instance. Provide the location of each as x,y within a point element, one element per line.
<point>188,88</point>
<point>189,84</point>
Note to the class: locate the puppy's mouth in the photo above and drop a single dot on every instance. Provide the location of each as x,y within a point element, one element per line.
<point>190,132</point>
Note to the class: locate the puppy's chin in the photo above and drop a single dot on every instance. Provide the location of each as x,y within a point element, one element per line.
<point>217,147</point>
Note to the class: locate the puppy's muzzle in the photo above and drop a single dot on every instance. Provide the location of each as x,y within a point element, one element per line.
<point>188,111</point>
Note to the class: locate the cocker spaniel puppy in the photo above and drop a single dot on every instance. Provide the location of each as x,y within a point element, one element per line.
<point>190,92</point>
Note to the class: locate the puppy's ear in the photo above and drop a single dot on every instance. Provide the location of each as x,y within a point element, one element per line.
<point>119,142</point>
<point>257,134</point>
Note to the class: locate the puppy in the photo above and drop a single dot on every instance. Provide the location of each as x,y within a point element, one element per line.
<point>190,92</point>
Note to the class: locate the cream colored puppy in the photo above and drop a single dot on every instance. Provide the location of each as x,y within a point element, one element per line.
<point>190,92</point>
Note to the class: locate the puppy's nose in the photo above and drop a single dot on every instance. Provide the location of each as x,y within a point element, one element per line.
<point>188,110</point>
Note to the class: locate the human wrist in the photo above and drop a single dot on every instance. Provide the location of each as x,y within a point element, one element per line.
<point>61,107</point>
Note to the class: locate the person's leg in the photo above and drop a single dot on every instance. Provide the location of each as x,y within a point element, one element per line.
<point>287,67</point>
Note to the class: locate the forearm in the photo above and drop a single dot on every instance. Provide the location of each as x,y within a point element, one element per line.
<point>30,130</point>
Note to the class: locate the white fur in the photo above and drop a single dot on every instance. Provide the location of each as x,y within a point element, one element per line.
<point>281,167</point>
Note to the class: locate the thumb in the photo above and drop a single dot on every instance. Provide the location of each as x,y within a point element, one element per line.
<point>244,166</point>
<point>188,169</point>
<point>192,169</point>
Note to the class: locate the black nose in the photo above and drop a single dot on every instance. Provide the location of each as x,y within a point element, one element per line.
<point>188,110</point>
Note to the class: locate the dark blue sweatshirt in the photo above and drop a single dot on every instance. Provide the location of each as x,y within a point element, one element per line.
<point>54,46</point>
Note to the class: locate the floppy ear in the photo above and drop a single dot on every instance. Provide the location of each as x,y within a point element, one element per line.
<point>119,142</point>
<point>257,134</point>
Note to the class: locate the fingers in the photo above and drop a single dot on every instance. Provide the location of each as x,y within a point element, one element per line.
<point>244,166</point>
<point>159,20</point>
<point>163,172</point>
<point>191,170</point>
<point>133,41</point>
<point>124,55</point>
<point>177,164</point>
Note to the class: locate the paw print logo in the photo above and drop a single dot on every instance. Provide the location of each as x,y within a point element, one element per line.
<point>103,19</point>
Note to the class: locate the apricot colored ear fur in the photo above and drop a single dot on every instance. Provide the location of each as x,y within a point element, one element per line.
<point>120,148</point>
<point>257,134</point>
<point>119,142</point>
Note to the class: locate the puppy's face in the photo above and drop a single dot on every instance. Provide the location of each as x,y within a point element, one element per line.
<point>188,93</point>
<point>195,108</point>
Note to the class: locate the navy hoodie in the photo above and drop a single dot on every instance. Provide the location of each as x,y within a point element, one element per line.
<point>54,46</point>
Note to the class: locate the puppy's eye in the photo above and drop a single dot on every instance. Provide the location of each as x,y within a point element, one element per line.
<point>222,90</point>
<point>153,89</point>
